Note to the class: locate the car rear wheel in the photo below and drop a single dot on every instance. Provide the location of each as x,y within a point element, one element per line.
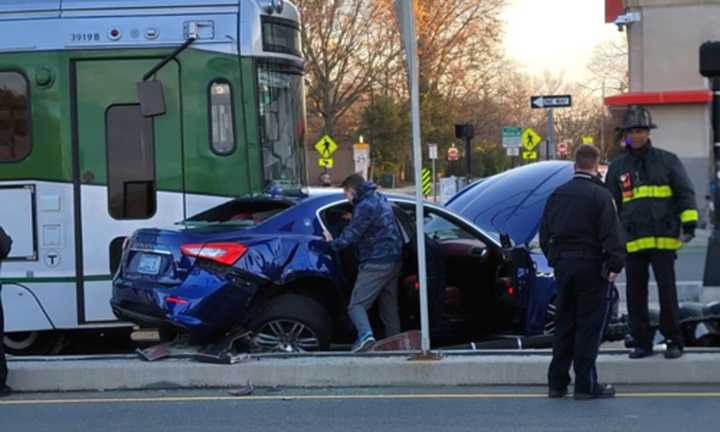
<point>34,342</point>
<point>292,323</point>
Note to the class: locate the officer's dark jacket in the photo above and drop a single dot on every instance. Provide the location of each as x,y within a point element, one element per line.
<point>580,218</point>
<point>654,196</point>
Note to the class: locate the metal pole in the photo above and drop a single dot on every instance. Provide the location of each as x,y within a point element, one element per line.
<point>434,183</point>
<point>551,134</point>
<point>406,15</point>
<point>712,270</point>
<point>602,123</point>
<point>468,158</point>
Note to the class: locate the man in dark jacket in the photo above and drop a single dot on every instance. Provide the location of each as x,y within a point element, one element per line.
<point>375,234</point>
<point>5,245</point>
<point>656,203</point>
<point>581,236</point>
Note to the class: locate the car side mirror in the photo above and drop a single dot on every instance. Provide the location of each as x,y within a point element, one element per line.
<point>151,97</point>
<point>505,241</point>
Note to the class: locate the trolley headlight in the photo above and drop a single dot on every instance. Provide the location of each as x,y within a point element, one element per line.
<point>272,6</point>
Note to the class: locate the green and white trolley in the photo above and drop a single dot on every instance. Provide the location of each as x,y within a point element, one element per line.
<point>121,114</point>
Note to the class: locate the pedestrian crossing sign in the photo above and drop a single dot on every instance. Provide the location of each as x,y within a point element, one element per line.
<point>326,146</point>
<point>530,139</point>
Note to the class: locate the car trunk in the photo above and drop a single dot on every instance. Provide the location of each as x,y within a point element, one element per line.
<point>156,254</point>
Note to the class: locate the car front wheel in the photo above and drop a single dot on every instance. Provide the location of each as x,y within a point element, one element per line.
<point>292,323</point>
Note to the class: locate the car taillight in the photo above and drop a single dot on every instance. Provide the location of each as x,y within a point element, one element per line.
<point>224,253</point>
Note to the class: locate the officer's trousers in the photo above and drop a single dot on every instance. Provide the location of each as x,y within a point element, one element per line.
<point>583,306</point>
<point>663,265</point>
<point>3,363</point>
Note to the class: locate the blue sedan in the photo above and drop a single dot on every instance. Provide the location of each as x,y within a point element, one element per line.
<point>259,264</point>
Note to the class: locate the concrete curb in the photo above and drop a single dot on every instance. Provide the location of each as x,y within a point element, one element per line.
<point>529,369</point>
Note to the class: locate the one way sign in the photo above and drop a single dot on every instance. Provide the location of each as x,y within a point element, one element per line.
<point>558,101</point>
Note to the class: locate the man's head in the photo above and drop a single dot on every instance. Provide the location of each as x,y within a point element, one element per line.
<point>325,179</point>
<point>636,126</point>
<point>350,184</point>
<point>587,159</point>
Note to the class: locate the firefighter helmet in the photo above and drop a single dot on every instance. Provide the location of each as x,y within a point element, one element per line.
<point>637,117</point>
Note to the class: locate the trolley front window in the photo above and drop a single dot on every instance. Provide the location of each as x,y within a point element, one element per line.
<point>281,96</point>
<point>14,117</point>
<point>281,35</point>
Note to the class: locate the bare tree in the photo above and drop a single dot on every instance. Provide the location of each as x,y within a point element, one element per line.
<point>608,67</point>
<point>345,43</point>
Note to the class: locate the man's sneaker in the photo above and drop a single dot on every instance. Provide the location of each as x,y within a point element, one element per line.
<point>638,353</point>
<point>5,391</point>
<point>556,393</point>
<point>364,343</point>
<point>673,351</point>
<point>605,391</point>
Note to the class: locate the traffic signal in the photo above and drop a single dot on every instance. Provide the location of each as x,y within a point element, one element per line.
<point>464,131</point>
<point>710,59</point>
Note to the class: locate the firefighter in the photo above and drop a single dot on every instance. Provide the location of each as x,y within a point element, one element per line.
<point>582,238</point>
<point>656,204</point>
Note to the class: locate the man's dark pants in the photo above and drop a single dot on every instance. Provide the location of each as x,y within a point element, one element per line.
<point>582,303</point>
<point>3,364</point>
<point>663,265</point>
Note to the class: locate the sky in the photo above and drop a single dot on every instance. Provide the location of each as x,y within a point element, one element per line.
<point>556,35</point>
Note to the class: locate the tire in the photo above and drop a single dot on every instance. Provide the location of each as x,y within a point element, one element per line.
<point>34,343</point>
<point>292,323</point>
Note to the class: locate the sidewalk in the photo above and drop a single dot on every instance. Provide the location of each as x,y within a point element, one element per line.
<point>332,370</point>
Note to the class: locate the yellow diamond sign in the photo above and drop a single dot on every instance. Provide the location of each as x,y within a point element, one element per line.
<point>530,139</point>
<point>326,146</point>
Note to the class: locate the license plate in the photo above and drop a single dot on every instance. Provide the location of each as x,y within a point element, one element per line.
<point>149,264</point>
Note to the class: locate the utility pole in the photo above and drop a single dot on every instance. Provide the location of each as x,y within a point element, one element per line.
<point>550,142</point>
<point>710,68</point>
<point>602,122</point>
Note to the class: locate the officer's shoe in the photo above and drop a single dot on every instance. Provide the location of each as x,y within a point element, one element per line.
<point>673,351</point>
<point>5,391</point>
<point>603,391</point>
<point>557,393</point>
<point>638,353</point>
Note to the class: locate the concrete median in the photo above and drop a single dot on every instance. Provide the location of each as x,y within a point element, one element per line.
<point>127,372</point>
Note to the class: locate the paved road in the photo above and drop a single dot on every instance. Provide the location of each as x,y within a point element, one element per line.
<point>451,409</point>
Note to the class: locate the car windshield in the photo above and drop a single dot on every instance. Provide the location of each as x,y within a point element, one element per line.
<point>240,213</point>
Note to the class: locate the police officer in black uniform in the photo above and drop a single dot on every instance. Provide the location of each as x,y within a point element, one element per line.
<point>581,236</point>
<point>657,208</point>
<point>5,244</point>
